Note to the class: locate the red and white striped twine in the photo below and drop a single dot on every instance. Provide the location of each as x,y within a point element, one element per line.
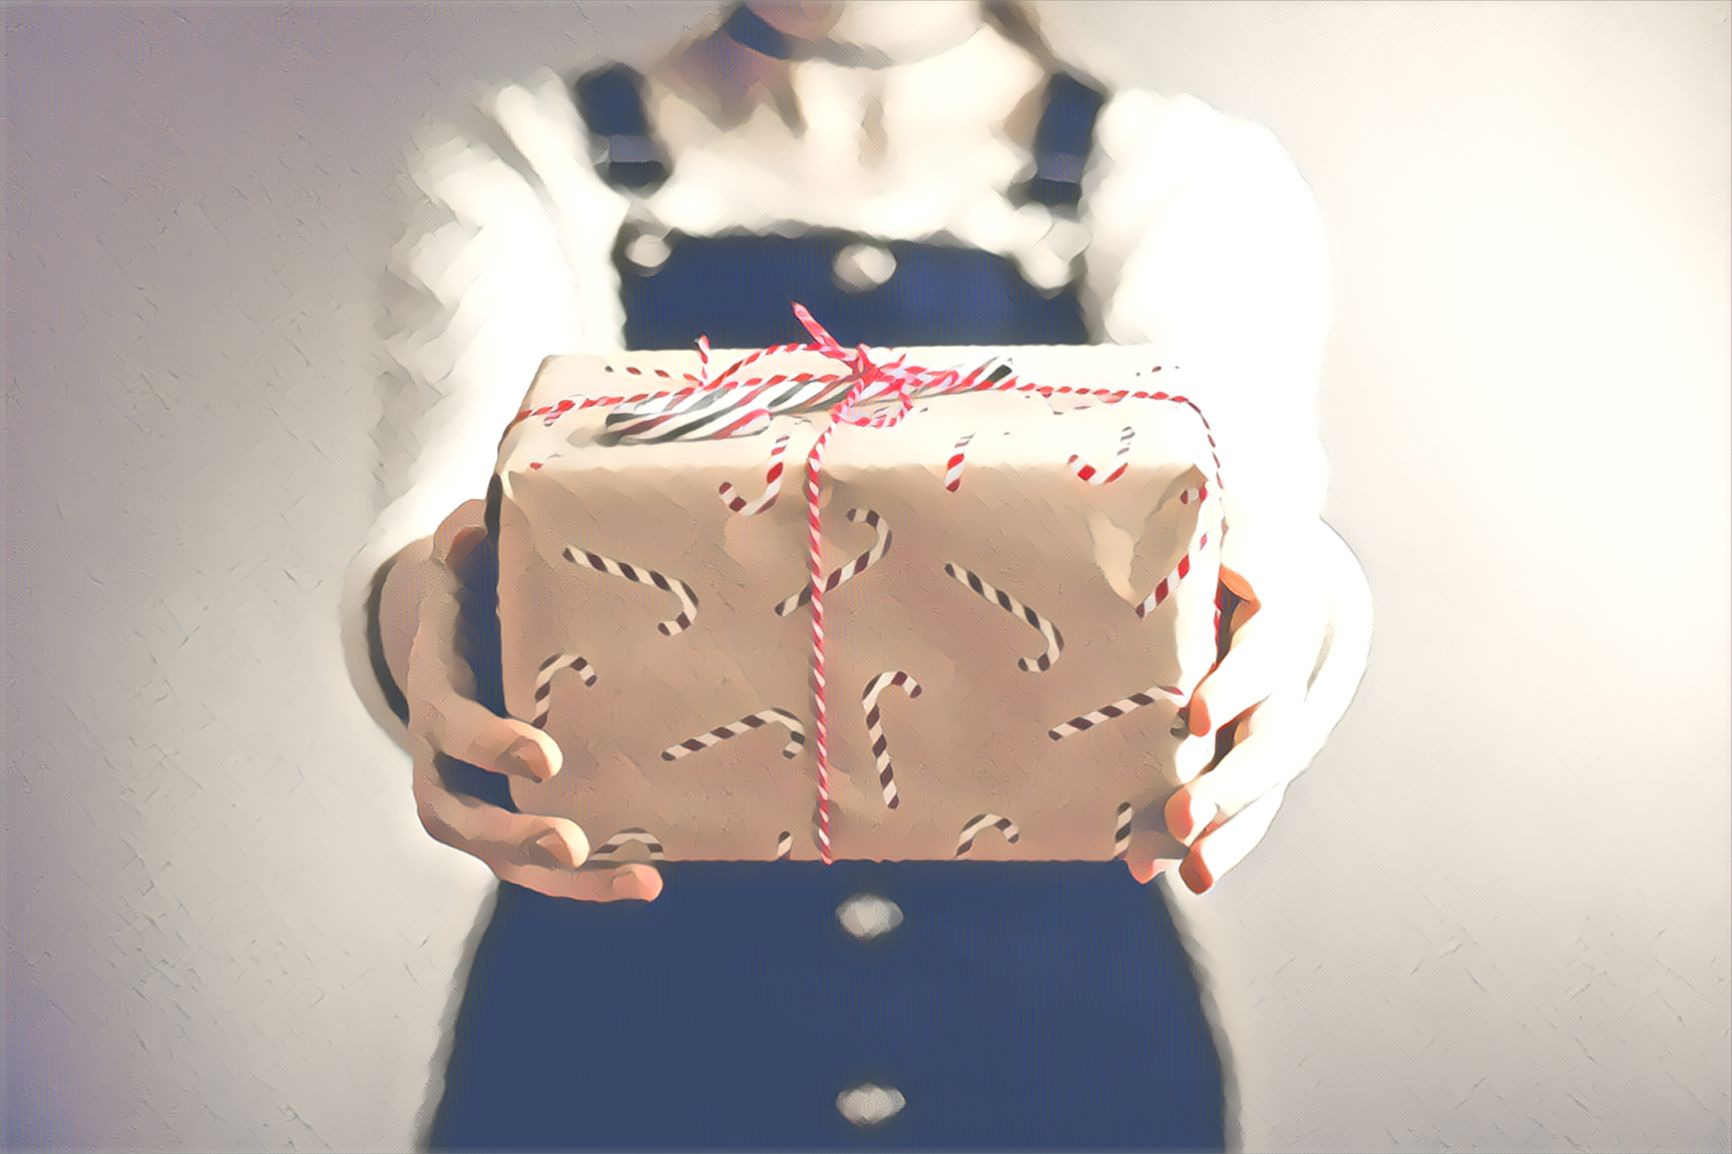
<point>849,571</point>
<point>725,405</point>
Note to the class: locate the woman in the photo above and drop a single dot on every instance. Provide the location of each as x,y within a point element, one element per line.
<point>915,174</point>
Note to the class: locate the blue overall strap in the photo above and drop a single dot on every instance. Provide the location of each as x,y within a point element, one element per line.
<point>1063,142</point>
<point>750,30</point>
<point>625,153</point>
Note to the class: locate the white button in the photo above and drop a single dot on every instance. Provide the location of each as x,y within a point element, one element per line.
<point>863,266</point>
<point>648,251</point>
<point>869,1105</point>
<point>868,916</point>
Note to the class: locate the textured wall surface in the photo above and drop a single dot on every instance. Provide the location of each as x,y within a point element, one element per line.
<point>1493,916</point>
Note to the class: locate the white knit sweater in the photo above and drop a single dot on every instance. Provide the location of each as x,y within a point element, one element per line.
<point>1202,239</point>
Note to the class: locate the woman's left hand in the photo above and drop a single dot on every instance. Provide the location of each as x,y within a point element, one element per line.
<point>1298,649</point>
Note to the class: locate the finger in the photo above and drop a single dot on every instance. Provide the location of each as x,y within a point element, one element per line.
<point>635,882</point>
<point>497,836</point>
<point>1242,613</point>
<point>469,731</point>
<point>1225,846</point>
<point>1148,870</point>
<point>549,864</point>
<point>434,657</point>
<point>1241,587</point>
<point>1270,749</point>
<point>539,853</point>
<point>1151,850</point>
<point>440,687</point>
<point>1262,652</point>
<point>463,528</point>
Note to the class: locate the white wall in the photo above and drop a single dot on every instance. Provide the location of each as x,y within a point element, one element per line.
<point>1494,916</point>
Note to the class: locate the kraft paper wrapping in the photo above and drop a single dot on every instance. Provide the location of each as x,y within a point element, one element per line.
<point>621,681</point>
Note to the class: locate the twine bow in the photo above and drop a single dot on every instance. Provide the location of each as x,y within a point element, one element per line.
<point>729,404</point>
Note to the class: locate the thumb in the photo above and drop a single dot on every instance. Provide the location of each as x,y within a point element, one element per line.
<point>1240,585</point>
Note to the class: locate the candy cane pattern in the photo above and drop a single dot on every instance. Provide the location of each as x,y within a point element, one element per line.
<point>772,484</point>
<point>1054,639</point>
<point>984,821</point>
<point>1122,830</point>
<point>862,383</point>
<point>627,837</point>
<point>796,733</point>
<point>851,570</point>
<point>544,676</point>
<point>688,600</point>
<point>953,469</point>
<point>1165,586</point>
<point>875,727</point>
<point>1118,708</point>
<point>1094,476</point>
<point>1186,496</point>
<point>784,846</point>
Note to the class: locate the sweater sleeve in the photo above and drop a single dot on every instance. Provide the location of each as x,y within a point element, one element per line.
<point>1208,243</point>
<point>496,267</point>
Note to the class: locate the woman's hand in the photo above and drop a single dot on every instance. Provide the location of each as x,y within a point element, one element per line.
<point>447,724</point>
<point>1299,646</point>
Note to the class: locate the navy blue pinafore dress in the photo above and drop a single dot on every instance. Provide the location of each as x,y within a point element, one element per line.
<point>792,1005</point>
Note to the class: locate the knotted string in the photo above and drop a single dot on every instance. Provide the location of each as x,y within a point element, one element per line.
<point>868,376</point>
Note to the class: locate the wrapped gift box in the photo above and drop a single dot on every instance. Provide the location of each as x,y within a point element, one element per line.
<point>1002,681</point>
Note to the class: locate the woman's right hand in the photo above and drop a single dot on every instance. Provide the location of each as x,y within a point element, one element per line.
<point>447,723</point>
